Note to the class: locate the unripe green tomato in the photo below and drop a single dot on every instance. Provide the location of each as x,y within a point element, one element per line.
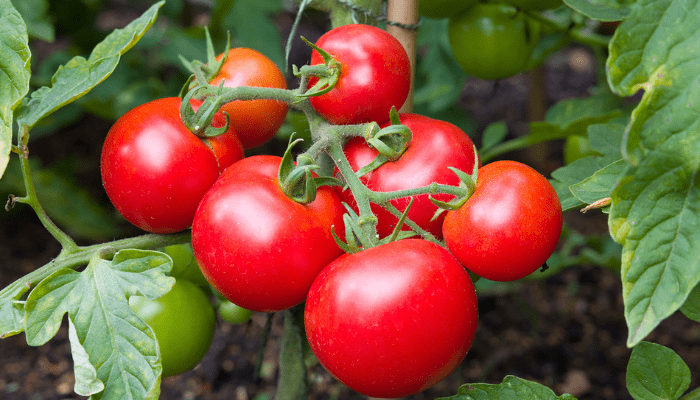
<point>575,147</point>
<point>234,314</point>
<point>493,41</point>
<point>184,264</point>
<point>183,320</point>
<point>443,8</point>
<point>535,4</point>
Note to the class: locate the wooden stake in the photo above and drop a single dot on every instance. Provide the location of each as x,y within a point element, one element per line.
<point>405,12</point>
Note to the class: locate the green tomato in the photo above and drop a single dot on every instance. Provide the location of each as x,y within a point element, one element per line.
<point>493,41</point>
<point>234,314</point>
<point>183,321</point>
<point>443,8</point>
<point>576,147</point>
<point>184,264</point>
<point>535,4</point>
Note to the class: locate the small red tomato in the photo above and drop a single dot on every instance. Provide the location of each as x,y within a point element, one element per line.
<point>392,320</point>
<point>258,248</point>
<point>436,145</point>
<point>155,170</point>
<point>255,121</point>
<point>375,75</point>
<point>509,227</point>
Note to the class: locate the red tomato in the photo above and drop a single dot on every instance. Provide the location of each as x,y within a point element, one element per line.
<point>155,170</point>
<point>509,227</point>
<point>435,146</point>
<point>393,320</point>
<point>375,75</point>
<point>255,121</point>
<point>258,248</point>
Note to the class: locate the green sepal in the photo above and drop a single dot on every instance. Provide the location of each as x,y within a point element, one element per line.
<point>199,122</point>
<point>212,68</point>
<point>391,141</point>
<point>395,234</point>
<point>297,181</point>
<point>326,80</point>
<point>467,182</point>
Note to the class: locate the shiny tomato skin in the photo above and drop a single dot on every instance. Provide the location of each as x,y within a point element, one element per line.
<point>435,146</point>
<point>183,320</point>
<point>255,246</point>
<point>393,320</point>
<point>375,75</point>
<point>155,170</point>
<point>255,121</point>
<point>509,227</point>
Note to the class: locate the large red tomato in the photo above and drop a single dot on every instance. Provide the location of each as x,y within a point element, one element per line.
<point>393,320</point>
<point>435,146</point>
<point>375,75</point>
<point>155,170</point>
<point>255,121</point>
<point>258,248</point>
<point>509,227</point>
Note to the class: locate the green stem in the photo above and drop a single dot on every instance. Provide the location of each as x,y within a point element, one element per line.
<point>433,188</point>
<point>30,198</point>
<point>694,395</point>
<point>81,255</point>
<point>579,34</point>
<point>520,143</point>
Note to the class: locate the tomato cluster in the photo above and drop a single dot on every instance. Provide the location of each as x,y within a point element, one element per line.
<point>396,311</point>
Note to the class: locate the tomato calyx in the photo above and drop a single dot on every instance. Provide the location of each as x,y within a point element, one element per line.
<point>466,182</point>
<point>297,180</point>
<point>199,122</point>
<point>327,73</point>
<point>206,72</point>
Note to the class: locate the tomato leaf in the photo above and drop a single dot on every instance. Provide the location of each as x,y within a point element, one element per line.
<point>602,10</point>
<point>691,307</point>
<point>292,383</point>
<point>656,207</point>
<point>79,76</point>
<point>656,372</point>
<point>12,311</point>
<point>253,27</point>
<point>119,345</point>
<point>493,135</point>
<point>86,381</point>
<point>511,388</point>
<point>14,73</point>
<point>601,184</point>
<point>34,13</point>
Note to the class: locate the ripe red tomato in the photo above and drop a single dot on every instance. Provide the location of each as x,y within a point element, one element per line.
<point>258,248</point>
<point>155,170</point>
<point>509,227</point>
<point>393,320</point>
<point>375,75</point>
<point>255,121</point>
<point>435,146</point>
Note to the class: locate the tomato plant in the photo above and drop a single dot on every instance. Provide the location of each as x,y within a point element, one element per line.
<point>493,41</point>
<point>183,320</point>
<point>510,225</point>
<point>392,320</point>
<point>375,74</point>
<point>435,146</point>
<point>443,8</point>
<point>255,121</point>
<point>576,147</point>
<point>535,4</point>
<point>257,247</point>
<point>155,170</point>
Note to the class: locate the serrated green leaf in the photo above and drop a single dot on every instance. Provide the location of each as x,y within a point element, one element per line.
<point>654,215</point>
<point>250,20</point>
<point>602,10</point>
<point>292,382</point>
<point>607,138</point>
<point>86,382</point>
<point>691,307</point>
<point>511,388</point>
<point>79,76</point>
<point>11,311</point>
<point>34,13</point>
<point>576,172</point>
<point>575,115</point>
<point>14,73</point>
<point>656,49</point>
<point>655,209</point>
<point>601,184</point>
<point>120,346</point>
<point>656,372</point>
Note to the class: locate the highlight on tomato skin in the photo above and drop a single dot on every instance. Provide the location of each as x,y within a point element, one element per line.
<point>509,227</point>
<point>393,320</point>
